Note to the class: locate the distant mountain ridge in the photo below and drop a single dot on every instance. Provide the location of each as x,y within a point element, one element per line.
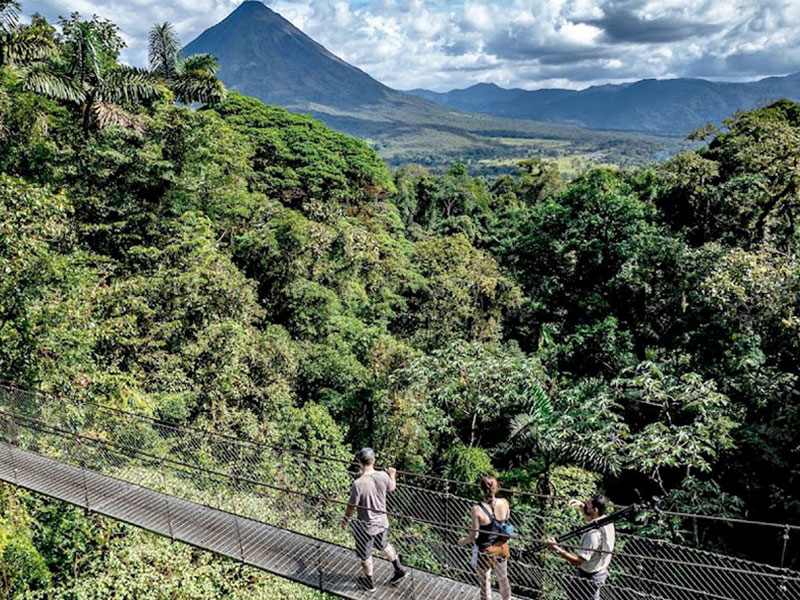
<point>668,106</point>
<point>263,55</point>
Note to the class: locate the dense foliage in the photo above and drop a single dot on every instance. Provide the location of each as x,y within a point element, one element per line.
<point>251,269</point>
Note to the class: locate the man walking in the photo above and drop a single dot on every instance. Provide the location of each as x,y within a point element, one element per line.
<point>368,499</point>
<point>593,556</point>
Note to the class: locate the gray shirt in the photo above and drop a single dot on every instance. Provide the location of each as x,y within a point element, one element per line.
<point>368,495</point>
<point>596,547</point>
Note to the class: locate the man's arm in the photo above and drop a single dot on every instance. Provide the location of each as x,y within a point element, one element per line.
<point>347,514</point>
<point>392,473</point>
<point>351,506</point>
<point>568,556</point>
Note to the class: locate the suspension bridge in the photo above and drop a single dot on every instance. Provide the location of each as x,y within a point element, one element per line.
<point>278,509</point>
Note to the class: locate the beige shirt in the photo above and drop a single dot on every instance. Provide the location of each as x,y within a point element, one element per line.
<point>596,547</point>
<point>368,495</point>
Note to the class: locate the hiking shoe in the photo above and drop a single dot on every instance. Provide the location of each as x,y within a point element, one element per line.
<point>398,576</point>
<point>366,584</point>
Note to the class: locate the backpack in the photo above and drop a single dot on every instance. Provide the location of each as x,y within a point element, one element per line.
<point>504,530</point>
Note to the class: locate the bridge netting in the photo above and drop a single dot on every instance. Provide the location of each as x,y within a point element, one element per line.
<point>307,494</point>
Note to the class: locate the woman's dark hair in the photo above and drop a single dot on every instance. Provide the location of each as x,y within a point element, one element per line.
<point>600,503</point>
<point>489,486</point>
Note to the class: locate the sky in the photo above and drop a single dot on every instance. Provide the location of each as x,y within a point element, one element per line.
<point>443,45</point>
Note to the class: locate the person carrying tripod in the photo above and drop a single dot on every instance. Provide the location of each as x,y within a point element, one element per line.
<point>593,555</point>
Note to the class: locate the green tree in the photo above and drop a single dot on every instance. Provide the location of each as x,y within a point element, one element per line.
<point>763,144</point>
<point>87,74</point>
<point>462,294</point>
<point>470,391</point>
<point>32,222</point>
<point>583,427</point>
<point>21,45</point>
<point>304,164</point>
<point>569,255</point>
<point>685,424</point>
<point>688,202</point>
<point>537,180</point>
<point>192,79</point>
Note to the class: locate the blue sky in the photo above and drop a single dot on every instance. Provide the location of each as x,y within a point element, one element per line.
<point>441,45</point>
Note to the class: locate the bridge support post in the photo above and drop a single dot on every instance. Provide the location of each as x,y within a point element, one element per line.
<point>82,462</point>
<point>655,589</point>
<point>236,519</point>
<point>785,538</point>
<point>783,585</point>
<point>447,534</point>
<point>165,486</point>
<point>13,463</point>
<point>320,575</point>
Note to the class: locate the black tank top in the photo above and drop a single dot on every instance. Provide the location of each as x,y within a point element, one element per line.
<point>488,534</point>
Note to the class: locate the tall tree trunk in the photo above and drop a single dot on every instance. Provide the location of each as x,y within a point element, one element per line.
<point>87,113</point>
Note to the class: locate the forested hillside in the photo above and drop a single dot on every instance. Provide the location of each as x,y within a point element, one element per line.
<point>251,270</point>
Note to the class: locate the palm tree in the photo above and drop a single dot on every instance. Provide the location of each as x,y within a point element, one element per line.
<point>582,427</point>
<point>197,80</point>
<point>20,45</point>
<point>89,75</point>
<point>25,50</point>
<point>192,79</point>
<point>165,51</point>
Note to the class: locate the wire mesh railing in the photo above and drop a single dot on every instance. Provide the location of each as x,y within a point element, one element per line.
<point>307,495</point>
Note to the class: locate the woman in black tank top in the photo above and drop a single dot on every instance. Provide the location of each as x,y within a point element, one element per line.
<point>490,548</point>
<point>488,536</point>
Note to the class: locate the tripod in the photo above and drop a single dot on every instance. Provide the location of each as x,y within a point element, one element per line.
<point>629,512</point>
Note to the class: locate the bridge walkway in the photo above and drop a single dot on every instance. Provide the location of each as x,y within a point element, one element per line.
<point>304,559</point>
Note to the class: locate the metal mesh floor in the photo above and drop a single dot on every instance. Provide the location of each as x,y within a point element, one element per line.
<point>304,559</point>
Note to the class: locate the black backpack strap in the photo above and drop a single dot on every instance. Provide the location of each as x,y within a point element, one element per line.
<point>491,516</point>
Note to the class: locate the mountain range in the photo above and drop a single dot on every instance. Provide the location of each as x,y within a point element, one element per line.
<point>263,55</point>
<point>671,106</point>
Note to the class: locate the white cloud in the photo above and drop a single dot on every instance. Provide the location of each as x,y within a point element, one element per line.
<point>477,17</point>
<point>443,44</point>
<point>580,33</point>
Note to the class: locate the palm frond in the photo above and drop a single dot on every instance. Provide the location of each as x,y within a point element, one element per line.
<point>26,47</point>
<point>584,455</point>
<point>107,115</point>
<point>85,50</point>
<point>538,401</point>
<point>198,87</point>
<point>206,63</point>
<point>164,50</point>
<point>522,431</point>
<point>9,15</point>
<point>40,80</point>
<point>129,85</point>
